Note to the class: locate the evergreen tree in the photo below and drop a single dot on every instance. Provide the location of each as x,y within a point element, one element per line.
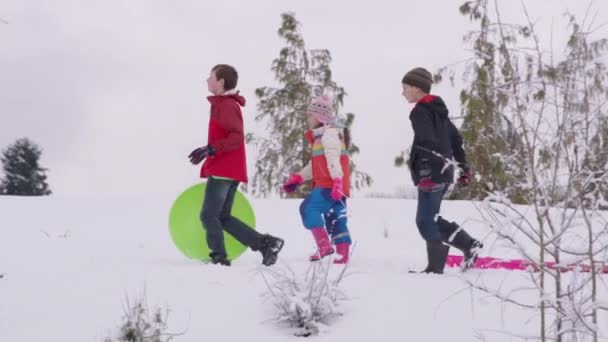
<point>302,74</point>
<point>583,78</point>
<point>23,174</point>
<point>493,146</point>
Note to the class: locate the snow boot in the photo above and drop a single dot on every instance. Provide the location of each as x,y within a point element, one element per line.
<point>270,246</point>
<point>454,235</point>
<point>217,258</point>
<point>324,247</point>
<point>437,253</point>
<point>471,255</point>
<point>342,250</point>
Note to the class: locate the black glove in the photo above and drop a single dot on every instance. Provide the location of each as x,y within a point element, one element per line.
<point>200,153</point>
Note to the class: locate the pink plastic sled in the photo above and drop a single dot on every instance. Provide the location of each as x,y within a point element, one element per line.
<point>518,264</point>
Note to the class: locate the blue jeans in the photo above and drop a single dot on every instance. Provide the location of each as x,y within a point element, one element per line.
<point>319,210</point>
<point>216,216</point>
<point>429,203</point>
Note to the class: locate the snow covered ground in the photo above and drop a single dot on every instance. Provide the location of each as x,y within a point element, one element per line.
<point>68,264</point>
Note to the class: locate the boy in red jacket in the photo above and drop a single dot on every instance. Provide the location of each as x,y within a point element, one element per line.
<point>225,166</point>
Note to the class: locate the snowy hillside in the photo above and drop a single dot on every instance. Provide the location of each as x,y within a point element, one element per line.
<point>69,263</point>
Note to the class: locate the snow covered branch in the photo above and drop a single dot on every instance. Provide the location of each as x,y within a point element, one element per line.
<point>308,304</point>
<point>141,324</point>
<point>556,123</point>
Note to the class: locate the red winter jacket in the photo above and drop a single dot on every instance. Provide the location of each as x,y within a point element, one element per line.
<point>227,139</point>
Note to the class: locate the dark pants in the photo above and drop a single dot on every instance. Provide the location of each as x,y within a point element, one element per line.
<point>216,217</point>
<point>429,203</point>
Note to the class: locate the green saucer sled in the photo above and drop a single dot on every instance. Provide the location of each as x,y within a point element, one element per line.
<point>187,231</point>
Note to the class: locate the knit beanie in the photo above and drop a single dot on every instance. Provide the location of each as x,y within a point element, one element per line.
<point>419,77</point>
<point>321,108</point>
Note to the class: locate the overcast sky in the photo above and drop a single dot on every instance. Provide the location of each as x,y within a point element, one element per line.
<point>114,91</point>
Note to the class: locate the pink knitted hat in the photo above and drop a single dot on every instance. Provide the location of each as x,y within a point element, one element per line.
<point>321,108</point>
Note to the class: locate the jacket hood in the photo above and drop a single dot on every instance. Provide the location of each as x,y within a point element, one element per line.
<point>434,104</point>
<point>215,99</point>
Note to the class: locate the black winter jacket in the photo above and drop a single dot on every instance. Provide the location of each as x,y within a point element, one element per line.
<point>435,139</point>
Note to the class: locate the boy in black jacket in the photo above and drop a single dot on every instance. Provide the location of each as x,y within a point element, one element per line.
<point>436,141</point>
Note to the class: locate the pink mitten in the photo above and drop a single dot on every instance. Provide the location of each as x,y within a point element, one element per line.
<point>292,183</point>
<point>337,189</point>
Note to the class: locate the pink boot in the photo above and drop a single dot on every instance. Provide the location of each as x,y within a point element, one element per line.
<point>342,250</point>
<point>324,247</point>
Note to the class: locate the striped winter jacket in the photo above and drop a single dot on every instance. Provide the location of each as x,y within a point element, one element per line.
<point>329,158</point>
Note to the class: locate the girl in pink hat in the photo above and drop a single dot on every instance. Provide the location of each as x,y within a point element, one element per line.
<point>329,170</point>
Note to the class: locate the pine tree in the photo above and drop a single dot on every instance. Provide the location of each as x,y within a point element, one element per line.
<point>584,78</point>
<point>302,74</point>
<point>23,174</point>
<point>492,145</point>
<point>495,145</point>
